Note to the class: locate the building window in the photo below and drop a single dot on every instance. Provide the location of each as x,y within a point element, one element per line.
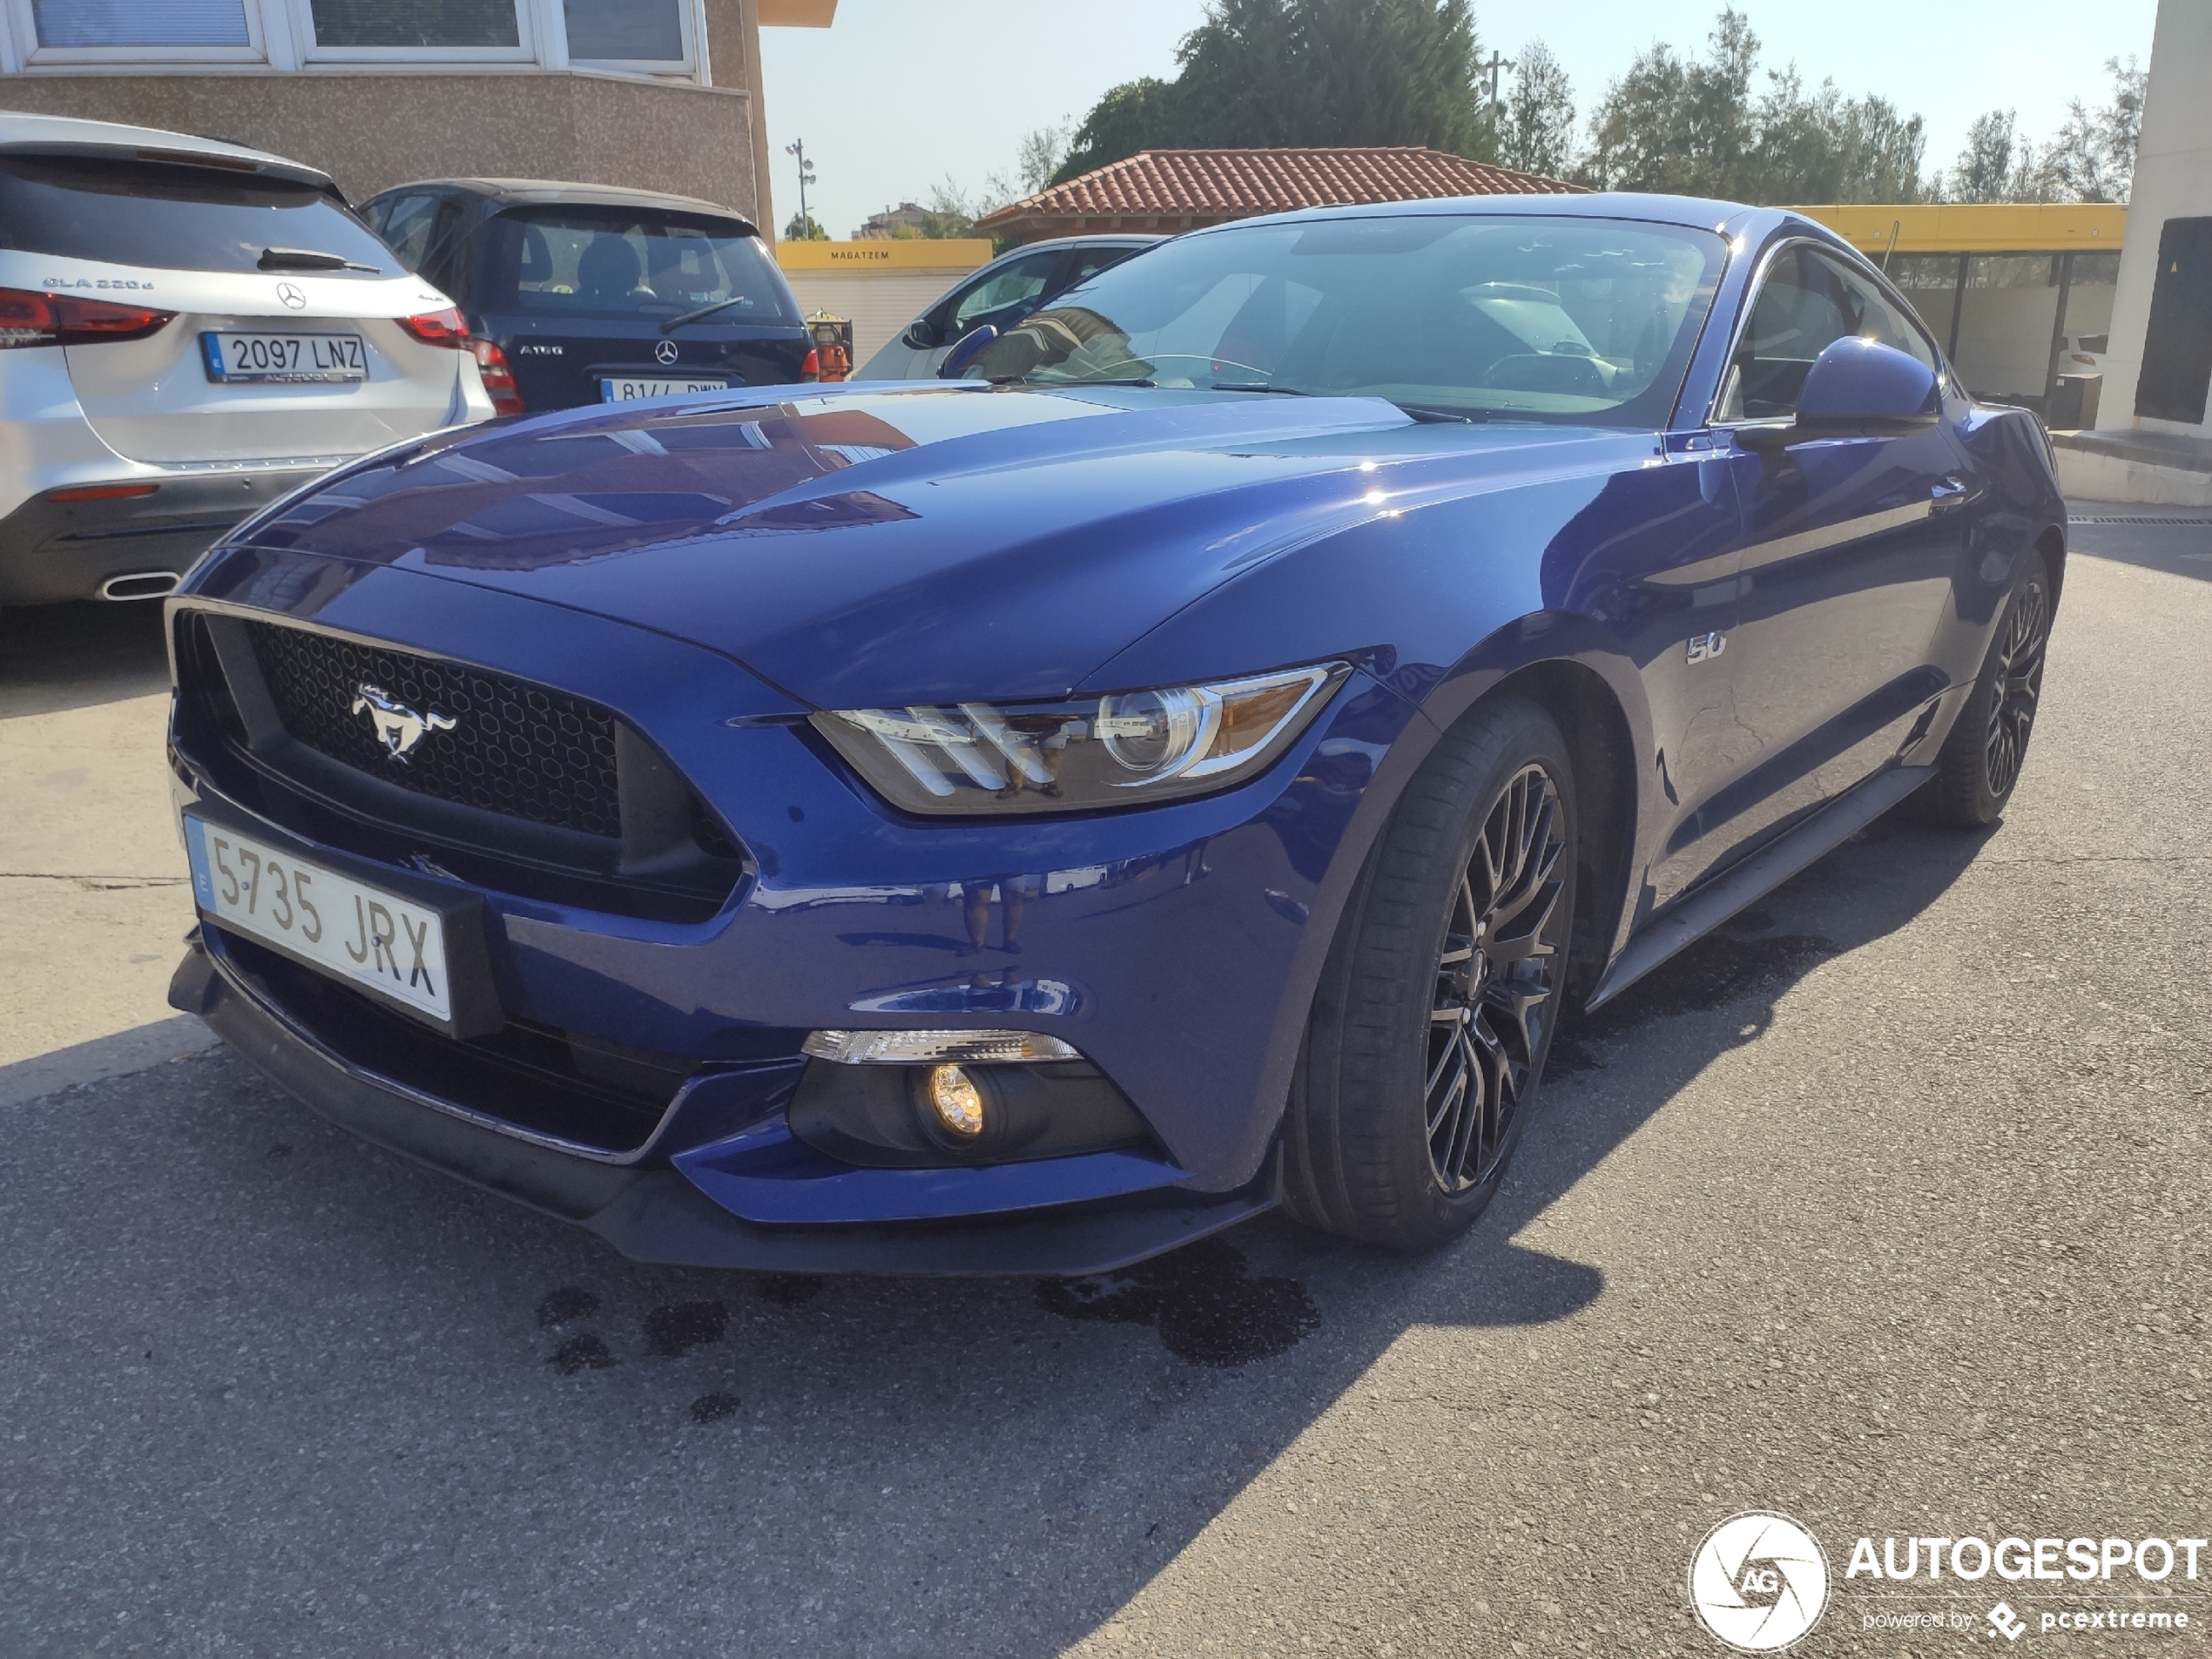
<point>96,24</point>
<point>645,32</point>
<point>403,29</point>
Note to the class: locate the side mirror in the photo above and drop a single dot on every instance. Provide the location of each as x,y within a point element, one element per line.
<point>965,350</point>
<point>922,335</point>
<point>1857,389</point>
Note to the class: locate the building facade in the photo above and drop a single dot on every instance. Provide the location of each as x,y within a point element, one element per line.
<point>879,285</point>
<point>651,94</point>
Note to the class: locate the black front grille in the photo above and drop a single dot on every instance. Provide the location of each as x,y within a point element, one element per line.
<point>514,748</point>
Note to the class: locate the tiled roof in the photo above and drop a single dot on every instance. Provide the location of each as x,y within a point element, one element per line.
<point>1182,189</point>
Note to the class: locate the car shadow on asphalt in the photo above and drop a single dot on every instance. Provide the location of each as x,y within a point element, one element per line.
<point>1076,1435</point>
<point>57,657</point>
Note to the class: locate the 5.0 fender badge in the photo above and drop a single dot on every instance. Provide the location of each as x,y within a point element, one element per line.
<point>399,728</point>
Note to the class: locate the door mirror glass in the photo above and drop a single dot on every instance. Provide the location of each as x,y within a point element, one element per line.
<point>922,335</point>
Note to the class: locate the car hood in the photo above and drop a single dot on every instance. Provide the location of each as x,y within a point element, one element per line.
<point>879,544</point>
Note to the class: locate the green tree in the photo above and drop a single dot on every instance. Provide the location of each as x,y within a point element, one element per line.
<point>2093,157</point>
<point>1260,73</point>
<point>1692,125</point>
<point>809,230</point>
<point>1985,168</point>
<point>1537,134</point>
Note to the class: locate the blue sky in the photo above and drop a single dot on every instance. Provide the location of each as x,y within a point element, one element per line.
<point>899,93</point>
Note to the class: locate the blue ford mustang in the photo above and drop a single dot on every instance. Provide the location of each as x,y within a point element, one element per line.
<point>1191,764</point>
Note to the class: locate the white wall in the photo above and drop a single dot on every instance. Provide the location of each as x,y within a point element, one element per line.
<point>2173,181</point>
<point>880,303</point>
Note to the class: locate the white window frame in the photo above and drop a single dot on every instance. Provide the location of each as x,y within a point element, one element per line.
<point>525,50</point>
<point>280,35</point>
<point>687,66</point>
<point>27,53</point>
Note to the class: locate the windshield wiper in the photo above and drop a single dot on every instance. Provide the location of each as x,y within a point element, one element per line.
<point>1453,417</point>
<point>1258,386</point>
<point>705,312</point>
<point>309,258</point>
<point>1039,379</point>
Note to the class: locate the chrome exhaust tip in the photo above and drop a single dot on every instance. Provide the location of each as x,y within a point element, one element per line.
<point>140,585</point>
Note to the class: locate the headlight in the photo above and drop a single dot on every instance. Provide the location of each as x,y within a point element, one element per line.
<point>1123,750</point>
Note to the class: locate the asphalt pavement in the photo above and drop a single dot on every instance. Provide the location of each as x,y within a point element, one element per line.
<point>1885,1209</point>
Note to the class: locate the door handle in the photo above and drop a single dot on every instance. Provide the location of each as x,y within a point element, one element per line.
<point>1947,496</point>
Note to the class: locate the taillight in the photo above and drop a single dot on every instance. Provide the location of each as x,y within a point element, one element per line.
<point>811,368</point>
<point>445,328</point>
<point>498,377</point>
<point>29,318</point>
<point>102,492</point>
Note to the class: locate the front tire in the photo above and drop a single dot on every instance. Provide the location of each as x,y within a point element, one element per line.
<point>1437,1002</point>
<point>1980,761</point>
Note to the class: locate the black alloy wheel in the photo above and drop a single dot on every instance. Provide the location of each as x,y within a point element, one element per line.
<point>1437,1003</point>
<point>1980,760</point>
<point>2019,678</point>
<point>1496,982</point>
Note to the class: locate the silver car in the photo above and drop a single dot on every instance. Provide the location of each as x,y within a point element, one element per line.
<point>1001,295</point>
<point>189,329</point>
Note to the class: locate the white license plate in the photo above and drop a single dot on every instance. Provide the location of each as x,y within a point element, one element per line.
<point>630,386</point>
<point>361,934</point>
<point>312,358</point>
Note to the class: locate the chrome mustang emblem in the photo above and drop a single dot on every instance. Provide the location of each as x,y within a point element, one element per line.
<point>399,728</point>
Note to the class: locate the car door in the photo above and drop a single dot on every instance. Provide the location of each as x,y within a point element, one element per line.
<point>1850,550</point>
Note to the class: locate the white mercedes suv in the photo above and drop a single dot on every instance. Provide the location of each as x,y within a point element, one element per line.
<point>188,330</point>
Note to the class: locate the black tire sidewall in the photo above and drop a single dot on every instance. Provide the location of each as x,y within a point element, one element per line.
<point>1396,935</point>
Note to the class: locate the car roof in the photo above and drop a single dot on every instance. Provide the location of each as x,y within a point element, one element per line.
<point>518,192</point>
<point>22,131</point>
<point>1690,212</point>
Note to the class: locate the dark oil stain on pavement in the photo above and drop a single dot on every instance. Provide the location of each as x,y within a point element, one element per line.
<point>712,1408</point>
<point>581,1353</point>
<point>1207,1309</point>
<point>789,1289</point>
<point>673,1331</point>
<point>569,1302</point>
<point>1741,956</point>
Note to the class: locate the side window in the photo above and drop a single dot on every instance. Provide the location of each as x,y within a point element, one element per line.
<point>1015,286</point>
<point>406,224</point>
<point>1806,303</point>
<point>1089,261</point>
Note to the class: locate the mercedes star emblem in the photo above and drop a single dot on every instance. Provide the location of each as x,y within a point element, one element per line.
<point>292,296</point>
<point>666,351</point>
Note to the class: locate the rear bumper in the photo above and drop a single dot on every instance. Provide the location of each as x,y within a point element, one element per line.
<point>651,1212</point>
<point>51,551</point>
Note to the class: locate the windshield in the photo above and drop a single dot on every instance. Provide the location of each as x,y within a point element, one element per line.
<point>621,262</point>
<point>1542,318</point>
<point>175,217</point>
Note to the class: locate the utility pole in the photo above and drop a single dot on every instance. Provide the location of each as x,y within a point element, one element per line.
<point>1498,65</point>
<point>798,147</point>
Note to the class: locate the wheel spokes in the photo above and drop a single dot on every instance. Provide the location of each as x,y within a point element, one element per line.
<point>1494,981</point>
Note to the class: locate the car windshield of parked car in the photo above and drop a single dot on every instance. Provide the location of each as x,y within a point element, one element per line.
<point>569,262</point>
<point>1555,318</point>
<point>174,217</point>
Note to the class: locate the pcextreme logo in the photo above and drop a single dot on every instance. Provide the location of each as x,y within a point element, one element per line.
<point>1758,1582</point>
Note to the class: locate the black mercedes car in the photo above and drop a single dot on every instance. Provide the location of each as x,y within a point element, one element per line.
<point>585,293</point>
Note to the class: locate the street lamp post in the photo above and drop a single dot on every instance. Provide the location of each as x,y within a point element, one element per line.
<point>798,147</point>
<point>1498,65</point>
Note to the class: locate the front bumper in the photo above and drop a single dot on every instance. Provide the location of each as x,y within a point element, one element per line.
<point>51,551</point>
<point>1176,948</point>
<point>652,1213</point>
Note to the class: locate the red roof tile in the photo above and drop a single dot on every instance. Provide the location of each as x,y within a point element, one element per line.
<point>1178,190</point>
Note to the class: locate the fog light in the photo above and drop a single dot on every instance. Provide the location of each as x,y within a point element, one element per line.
<point>954,1100</point>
